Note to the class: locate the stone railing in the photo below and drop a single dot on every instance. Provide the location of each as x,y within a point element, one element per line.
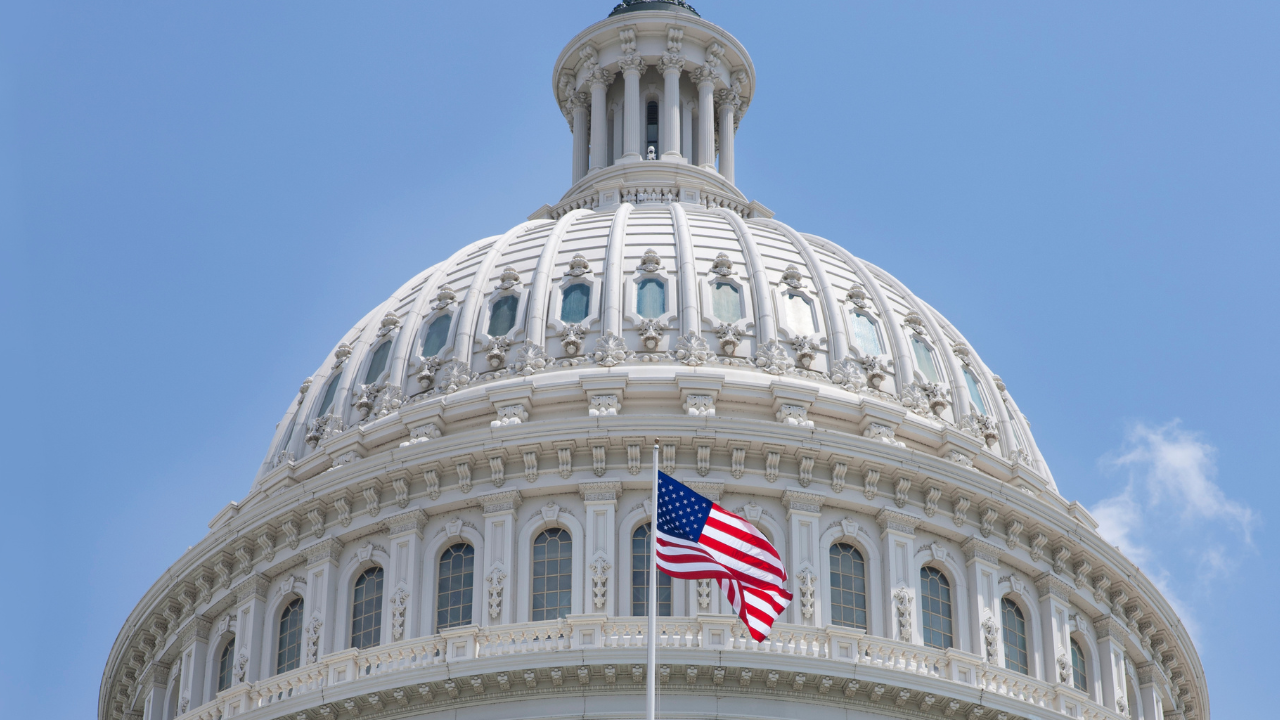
<point>883,659</point>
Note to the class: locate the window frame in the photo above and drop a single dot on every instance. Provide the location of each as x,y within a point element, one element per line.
<point>1080,673</point>
<point>786,331</point>
<point>831,587</point>
<point>280,631</point>
<point>874,320</point>
<point>421,341</point>
<point>952,601</point>
<point>467,606</point>
<point>932,352</point>
<point>366,364</point>
<point>1011,608</point>
<point>229,651</point>
<point>375,611</point>
<point>562,611</point>
<point>662,577</point>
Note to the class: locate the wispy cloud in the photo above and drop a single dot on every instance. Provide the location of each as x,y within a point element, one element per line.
<point>1171,510</point>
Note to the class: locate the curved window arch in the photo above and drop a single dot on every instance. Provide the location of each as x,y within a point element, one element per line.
<point>575,303</point>
<point>366,609</point>
<point>935,608</point>
<point>651,298</point>
<point>726,302</point>
<point>552,575</point>
<point>455,588</point>
<point>329,393</point>
<point>1015,636</point>
<point>865,336</point>
<point>226,659</point>
<point>437,335</point>
<point>503,316</point>
<point>1079,673</point>
<point>924,359</point>
<point>175,689</point>
<point>848,587</point>
<point>641,546</point>
<point>289,644</point>
<point>378,363</point>
<point>799,312</point>
<point>975,393</point>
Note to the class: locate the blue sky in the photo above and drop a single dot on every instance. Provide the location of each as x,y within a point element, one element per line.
<point>198,199</point>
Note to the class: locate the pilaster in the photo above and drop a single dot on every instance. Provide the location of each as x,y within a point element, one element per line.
<point>1111,634</point>
<point>405,573</point>
<point>499,550</point>
<point>1055,628</point>
<point>601,501</point>
<point>898,535</point>
<point>251,601</point>
<point>321,598</point>
<point>803,514</point>
<point>982,568</point>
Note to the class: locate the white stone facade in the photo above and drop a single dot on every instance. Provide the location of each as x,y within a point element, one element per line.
<point>816,396</point>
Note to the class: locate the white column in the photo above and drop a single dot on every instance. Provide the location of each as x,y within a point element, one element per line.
<point>804,510</point>
<point>615,146</point>
<point>1055,628</point>
<point>153,687</point>
<point>705,78</point>
<point>727,112</point>
<point>686,130</point>
<point>581,139</point>
<point>194,642</point>
<point>599,82</point>
<point>898,533</point>
<point>251,606</point>
<point>405,574</point>
<point>601,501</point>
<point>1111,634</point>
<point>671,66</point>
<point>1152,705</point>
<point>499,557</point>
<point>982,567</point>
<point>322,595</point>
<point>632,68</point>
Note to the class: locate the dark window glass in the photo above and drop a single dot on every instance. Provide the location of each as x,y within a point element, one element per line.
<point>437,335</point>
<point>225,660</point>
<point>454,590</point>
<point>378,363</point>
<point>328,395</point>
<point>366,609</point>
<point>641,546</point>
<point>935,608</point>
<point>552,575</point>
<point>848,587</point>
<point>651,298</point>
<point>575,303</point>
<point>1015,636</point>
<point>503,317</point>
<point>651,128</point>
<point>289,646</point>
<point>1079,676</point>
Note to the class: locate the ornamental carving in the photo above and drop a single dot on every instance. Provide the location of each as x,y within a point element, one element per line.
<point>444,298</point>
<point>692,349</point>
<point>730,338</point>
<point>700,405</point>
<point>1064,669</point>
<point>340,355</point>
<point>427,368</point>
<point>421,434</point>
<point>509,279</point>
<point>495,352</point>
<point>578,266</point>
<point>571,339</point>
<point>651,332</point>
<point>990,640</point>
<point>703,74</point>
<point>924,398</point>
<point>302,391</point>
<point>389,322</point>
<point>510,415</point>
<point>495,582</point>
<point>902,601</point>
<point>981,426</point>
<point>529,360</point>
<point>722,266</point>
<point>792,278</point>
<point>808,583</point>
<point>603,406</point>
<point>857,295</point>
<point>610,350</point>
<point>914,322</point>
<point>632,63</point>
<point>323,428</point>
<point>806,350</point>
<point>399,601</point>
<point>238,670</point>
<point>452,376</point>
<point>650,262</point>
<point>599,581</point>
<point>882,433</point>
<point>848,374</point>
<point>796,415</point>
<point>773,358</point>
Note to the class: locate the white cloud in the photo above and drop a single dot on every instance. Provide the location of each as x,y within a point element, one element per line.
<point>1172,514</point>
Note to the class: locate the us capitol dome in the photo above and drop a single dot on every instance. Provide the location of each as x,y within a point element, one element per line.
<point>452,519</point>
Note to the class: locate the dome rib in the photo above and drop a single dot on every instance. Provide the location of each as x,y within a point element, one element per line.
<point>839,344</point>
<point>612,293</point>
<point>766,324</point>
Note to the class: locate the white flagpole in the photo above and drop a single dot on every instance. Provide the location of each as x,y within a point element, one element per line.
<point>651,689</point>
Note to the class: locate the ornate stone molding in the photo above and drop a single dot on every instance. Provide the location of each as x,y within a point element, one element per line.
<point>605,491</point>
<point>330,549</point>
<point>1049,584</point>
<point>797,501</point>
<point>898,522</point>
<point>974,548</point>
<point>505,501</point>
<point>411,521</point>
<point>252,586</point>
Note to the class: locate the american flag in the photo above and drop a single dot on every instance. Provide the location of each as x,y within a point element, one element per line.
<point>698,539</point>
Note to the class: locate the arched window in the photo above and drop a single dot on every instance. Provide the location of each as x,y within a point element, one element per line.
<point>503,317</point>
<point>437,336</point>
<point>289,645</point>
<point>366,609</point>
<point>924,359</point>
<point>552,574</point>
<point>865,336</point>
<point>641,546</point>
<point>1015,636</point>
<point>575,302</point>
<point>848,587</point>
<point>799,311</point>
<point>651,128</point>
<point>935,608</point>
<point>175,689</point>
<point>378,363</point>
<point>226,659</point>
<point>329,393</point>
<point>1079,676</point>
<point>974,393</point>
<point>454,590</point>
<point>726,302</point>
<point>651,298</point>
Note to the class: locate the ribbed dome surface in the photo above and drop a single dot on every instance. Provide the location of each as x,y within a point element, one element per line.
<point>658,289</point>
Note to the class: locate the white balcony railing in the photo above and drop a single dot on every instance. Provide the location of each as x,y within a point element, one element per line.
<point>585,633</point>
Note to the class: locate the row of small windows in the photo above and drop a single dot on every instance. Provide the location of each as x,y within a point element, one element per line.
<point>552,596</point>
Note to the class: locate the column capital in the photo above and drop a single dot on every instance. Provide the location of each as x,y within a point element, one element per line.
<point>896,521</point>
<point>977,549</point>
<point>797,501</point>
<point>671,62</point>
<point>405,522</point>
<point>632,64</point>
<point>1049,584</point>
<point>579,101</point>
<point>703,75</point>
<point>600,77</point>
<point>324,551</point>
<point>1109,627</point>
<point>499,502</point>
<point>250,587</point>
<point>606,491</point>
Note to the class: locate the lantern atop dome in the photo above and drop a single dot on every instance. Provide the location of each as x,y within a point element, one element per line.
<point>653,95</point>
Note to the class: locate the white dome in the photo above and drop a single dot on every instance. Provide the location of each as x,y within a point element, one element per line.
<point>510,393</point>
<point>747,303</point>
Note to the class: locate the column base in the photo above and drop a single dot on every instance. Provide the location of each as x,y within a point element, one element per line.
<point>629,158</point>
<point>672,156</point>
